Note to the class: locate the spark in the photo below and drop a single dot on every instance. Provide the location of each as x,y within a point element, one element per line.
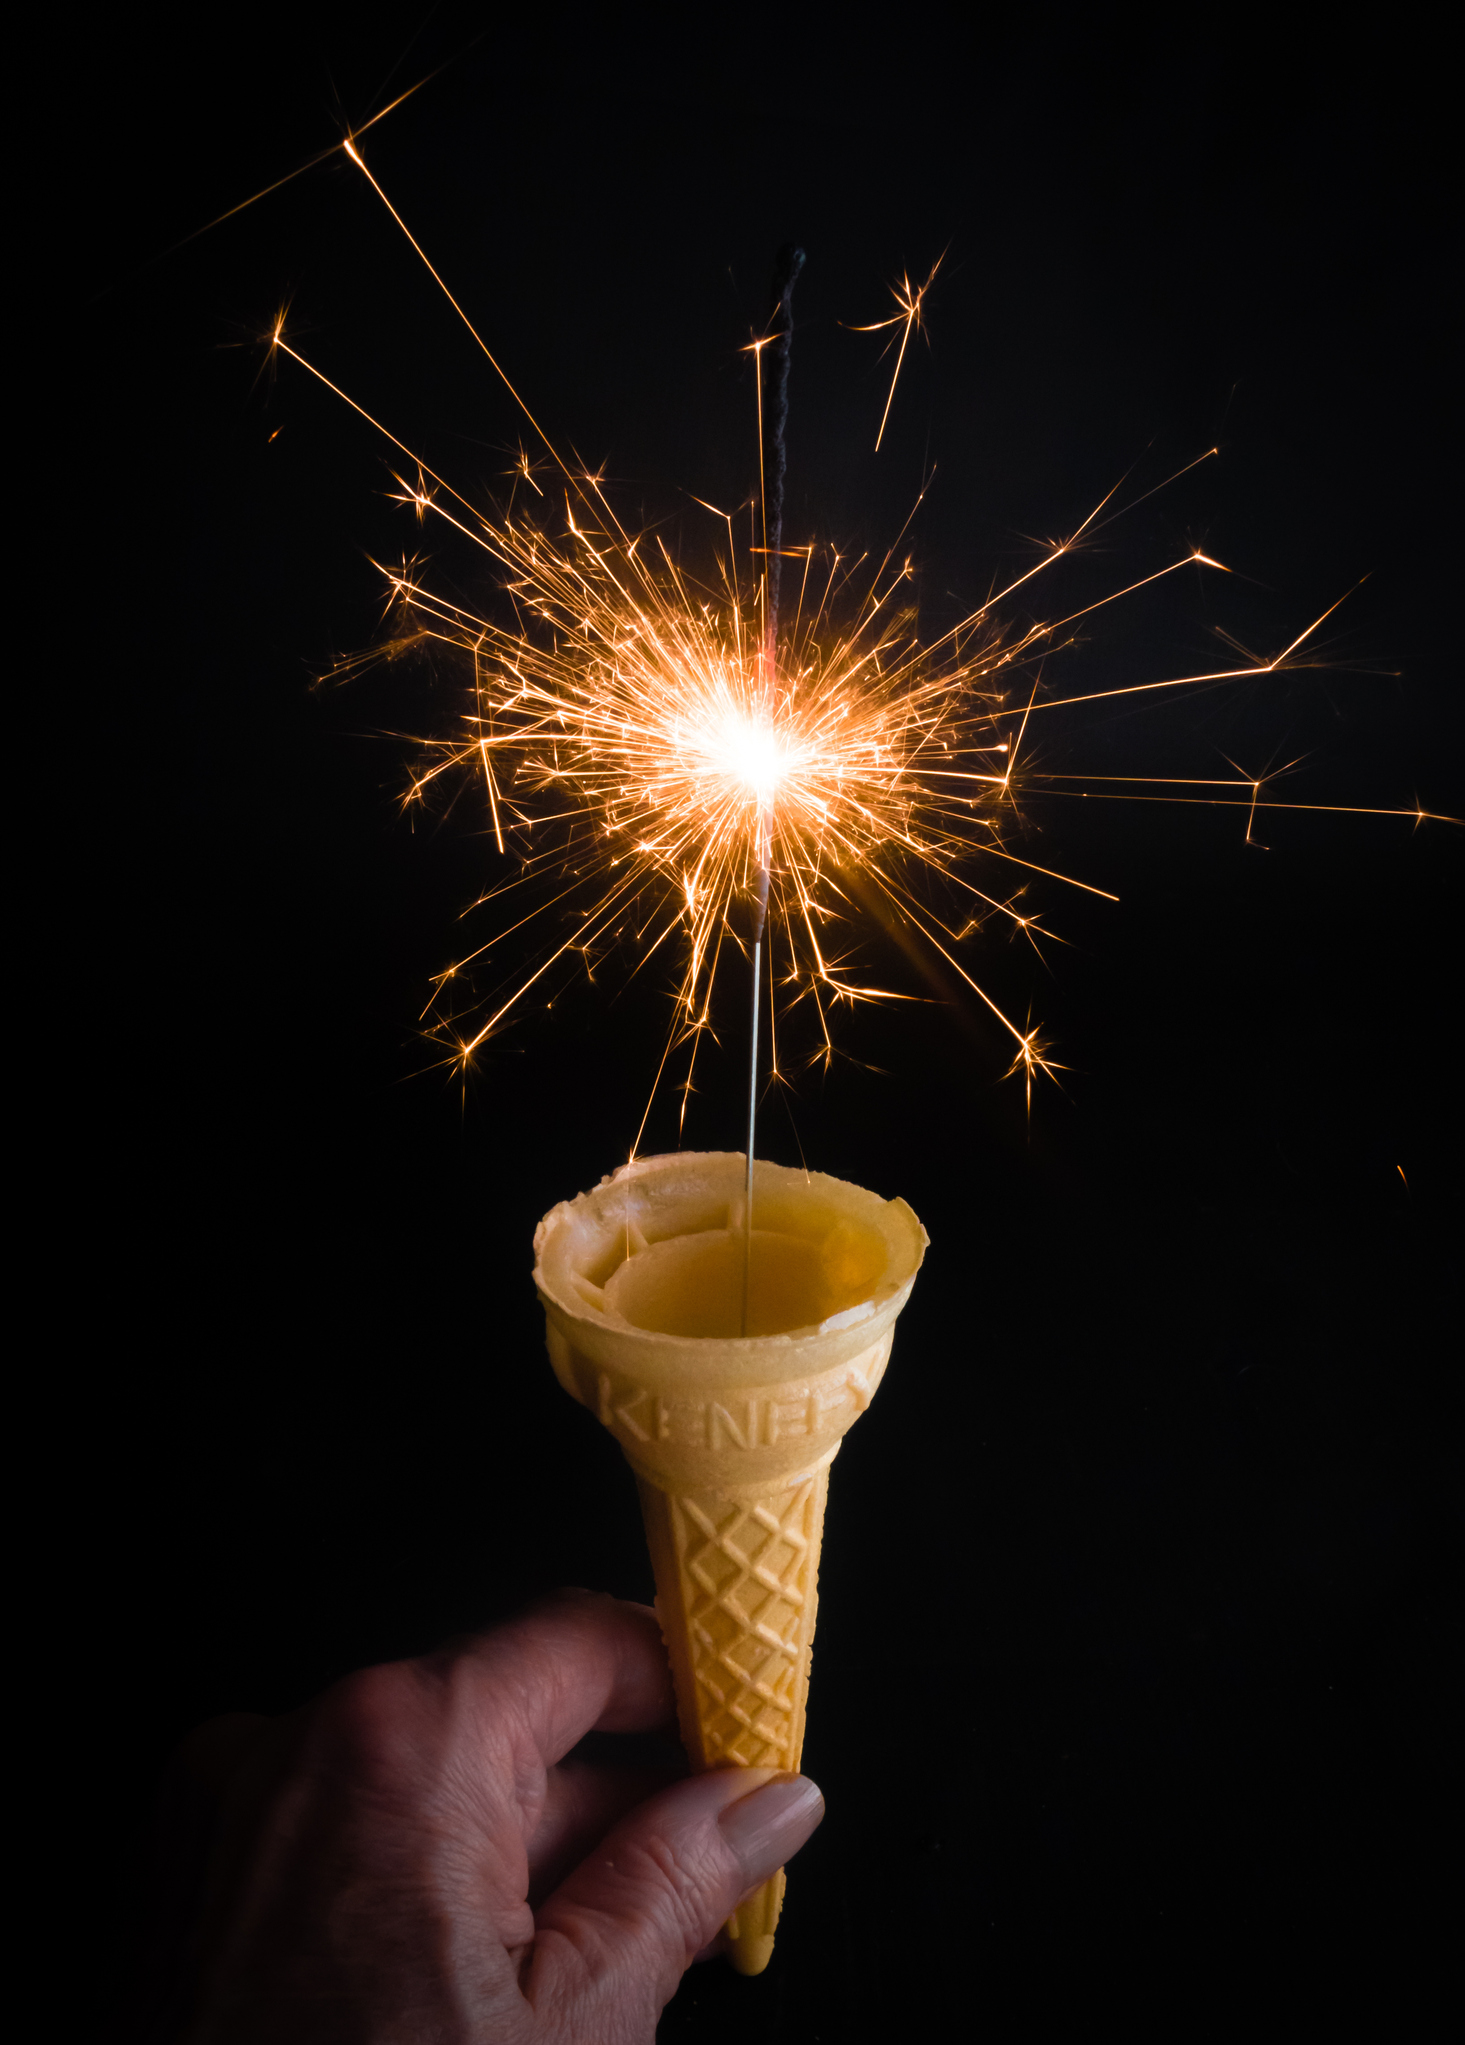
<point>909,300</point>
<point>311,163</point>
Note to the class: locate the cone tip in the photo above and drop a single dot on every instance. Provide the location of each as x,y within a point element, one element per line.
<point>751,1955</point>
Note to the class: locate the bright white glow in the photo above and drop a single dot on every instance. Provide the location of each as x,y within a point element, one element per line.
<point>742,747</point>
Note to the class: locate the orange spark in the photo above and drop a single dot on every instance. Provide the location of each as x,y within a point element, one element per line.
<point>907,316</point>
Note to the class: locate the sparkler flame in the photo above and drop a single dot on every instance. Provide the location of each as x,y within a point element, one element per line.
<point>635,736</point>
<point>643,744</point>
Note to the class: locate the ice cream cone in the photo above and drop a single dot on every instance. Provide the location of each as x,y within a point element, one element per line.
<point>731,1435</point>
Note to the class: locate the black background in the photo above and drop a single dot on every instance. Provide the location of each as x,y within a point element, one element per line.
<point>1137,1615</point>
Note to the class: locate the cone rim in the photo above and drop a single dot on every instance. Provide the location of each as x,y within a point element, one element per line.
<point>761,1359</point>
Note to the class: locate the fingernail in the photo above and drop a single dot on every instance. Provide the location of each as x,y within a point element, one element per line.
<point>768,1827</point>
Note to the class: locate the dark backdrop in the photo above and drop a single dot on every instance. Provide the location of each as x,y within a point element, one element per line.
<point>1136,1605</point>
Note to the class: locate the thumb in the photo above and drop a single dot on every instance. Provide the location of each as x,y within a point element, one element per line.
<point>615,1938</point>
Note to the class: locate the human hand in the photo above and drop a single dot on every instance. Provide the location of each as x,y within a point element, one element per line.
<point>411,1860</point>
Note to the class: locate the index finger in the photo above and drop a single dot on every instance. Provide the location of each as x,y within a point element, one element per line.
<point>577,1662</point>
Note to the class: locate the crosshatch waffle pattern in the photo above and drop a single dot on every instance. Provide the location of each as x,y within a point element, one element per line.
<point>749,1575</point>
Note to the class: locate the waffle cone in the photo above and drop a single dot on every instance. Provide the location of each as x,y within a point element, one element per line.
<point>731,1436</point>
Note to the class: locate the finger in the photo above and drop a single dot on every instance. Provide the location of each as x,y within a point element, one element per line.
<point>582,1800</point>
<point>575,1663</point>
<point>615,1938</point>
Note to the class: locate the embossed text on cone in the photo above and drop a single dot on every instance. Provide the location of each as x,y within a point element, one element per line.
<point>731,1436</point>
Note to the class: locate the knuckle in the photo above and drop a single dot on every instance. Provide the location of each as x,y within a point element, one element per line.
<point>683,1884</point>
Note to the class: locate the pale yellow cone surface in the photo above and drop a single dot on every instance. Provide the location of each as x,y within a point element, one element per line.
<point>731,1436</point>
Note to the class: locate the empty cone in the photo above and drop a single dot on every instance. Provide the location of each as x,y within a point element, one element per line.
<point>731,1435</point>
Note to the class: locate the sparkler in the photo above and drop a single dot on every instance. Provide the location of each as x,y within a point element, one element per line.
<point>660,747</point>
<point>773,466</point>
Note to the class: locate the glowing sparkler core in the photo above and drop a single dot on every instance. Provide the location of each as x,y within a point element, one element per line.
<point>749,752</point>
